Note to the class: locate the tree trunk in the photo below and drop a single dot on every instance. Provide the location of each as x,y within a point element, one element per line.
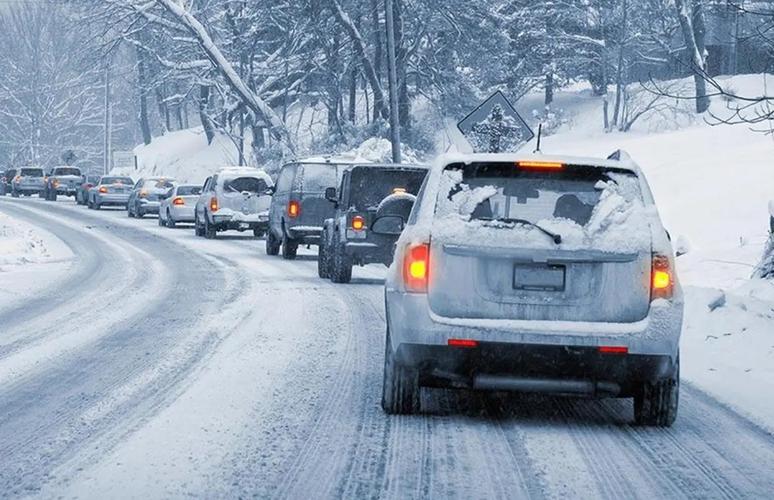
<point>368,67</point>
<point>163,109</point>
<point>691,19</point>
<point>549,97</point>
<point>619,73</point>
<point>401,56</point>
<point>378,57</point>
<point>204,101</point>
<point>145,127</point>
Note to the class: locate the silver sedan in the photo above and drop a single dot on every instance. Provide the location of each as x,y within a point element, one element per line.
<point>178,205</point>
<point>110,190</point>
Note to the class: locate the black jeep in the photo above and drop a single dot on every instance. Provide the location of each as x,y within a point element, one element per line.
<point>348,238</point>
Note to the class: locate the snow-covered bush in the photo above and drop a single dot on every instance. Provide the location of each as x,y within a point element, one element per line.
<point>765,268</point>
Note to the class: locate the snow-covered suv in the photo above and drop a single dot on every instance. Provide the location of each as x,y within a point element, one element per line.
<point>536,274</point>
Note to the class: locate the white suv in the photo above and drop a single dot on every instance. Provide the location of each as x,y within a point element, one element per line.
<point>534,274</point>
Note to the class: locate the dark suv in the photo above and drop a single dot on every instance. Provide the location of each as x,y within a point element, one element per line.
<point>298,207</point>
<point>347,236</point>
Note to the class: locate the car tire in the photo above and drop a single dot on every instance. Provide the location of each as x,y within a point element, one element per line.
<point>272,243</point>
<point>97,206</point>
<point>289,248</point>
<point>656,403</point>
<point>209,230</point>
<point>341,263</point>
<point>15,194</point>
<point>161,221</point>
<point>53,196</point>
<point>170,221</point>
<point>400,385</point>
<point>138,213</point>
<point>323,257</point>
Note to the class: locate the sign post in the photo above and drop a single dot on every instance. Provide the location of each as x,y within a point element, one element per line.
<point>495,127</point>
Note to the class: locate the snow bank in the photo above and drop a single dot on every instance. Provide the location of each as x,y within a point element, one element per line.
<point>21,243</point>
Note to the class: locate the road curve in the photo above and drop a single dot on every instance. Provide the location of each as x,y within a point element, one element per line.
<point>244,375</point>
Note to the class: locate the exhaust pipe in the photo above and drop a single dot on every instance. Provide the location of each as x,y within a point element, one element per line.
<point>555,386</point>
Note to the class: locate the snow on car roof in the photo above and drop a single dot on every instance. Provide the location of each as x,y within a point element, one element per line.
<point>625,162</point>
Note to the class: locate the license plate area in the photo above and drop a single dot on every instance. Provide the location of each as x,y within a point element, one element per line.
<point>539,277</point>
<point>244,225</point>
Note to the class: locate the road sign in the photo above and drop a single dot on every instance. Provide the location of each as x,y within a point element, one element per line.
<point>495,127</point>
<point>124,160</point>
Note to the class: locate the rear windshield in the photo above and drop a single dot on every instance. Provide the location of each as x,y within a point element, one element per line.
<point>158,184</point>
<point>369,186</point>
<point>316,177</point>
<point>189,190</point>
<point>66,171</point>
<point>245,184</point>
<point>31,172</point>
<point>92,179</point>
<point>116,180</point>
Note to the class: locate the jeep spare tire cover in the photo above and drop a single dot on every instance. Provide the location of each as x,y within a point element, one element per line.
<point>396,204</point>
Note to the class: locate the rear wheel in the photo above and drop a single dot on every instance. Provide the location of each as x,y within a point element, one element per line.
<point>97,206</point>
<point>341,263</point>
<point>289,248</point>
<point>53,196</point>
<point>170,221</point>
<point>15,194</point>
<point>323,264</point>
<point>400,385</point>
<point>209,230</point>
<point>138,213</point>
<point>272,243</point>
<point>655,403</point>
<point>161,221</point>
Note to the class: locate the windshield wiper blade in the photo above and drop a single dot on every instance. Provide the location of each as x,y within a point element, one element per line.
<point>554,236</point>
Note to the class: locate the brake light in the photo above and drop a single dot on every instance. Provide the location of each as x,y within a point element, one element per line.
<point>178,201</point>
<point>88,186</point>
<point>613,349</point>
<point>462,343</point>
<point>143,194</point>
<point>416,267</point>
<point>17,178</point>
<point>294,209</point>
<point>214,204</point>
<point>540,165</point>
<point>103,189</point>
<point>661,280</point>
<point>55,182</point>
<point>358,223</point>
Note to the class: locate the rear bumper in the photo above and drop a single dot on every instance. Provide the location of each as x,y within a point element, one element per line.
<point>111,199</point>
<point>420,339</point>
<point>228,219</point>
<point>534,368</point>
<point>305,234</point>
<point>184,214</point>
<point>368,252</point>
<point>149,207</point>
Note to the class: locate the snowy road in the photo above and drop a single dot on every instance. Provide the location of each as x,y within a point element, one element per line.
<point>168,366</point>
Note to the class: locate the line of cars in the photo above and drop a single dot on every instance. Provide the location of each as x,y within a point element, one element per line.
<point>506,272</point>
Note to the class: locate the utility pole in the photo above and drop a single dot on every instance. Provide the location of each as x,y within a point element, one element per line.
<point>108,120</point>
<point>393,79</point>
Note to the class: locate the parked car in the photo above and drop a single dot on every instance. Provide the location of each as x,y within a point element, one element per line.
<point>28,181</point>
<point>110,190</point>
<point>234,198</point>
<point>82,192</point>
<point>347,239</point>
<point>145,197</point>
<point>62,180</point>
<point>5,185</point>
<point>178,204</point>
<point>298,207</point>
<point>537,274</point>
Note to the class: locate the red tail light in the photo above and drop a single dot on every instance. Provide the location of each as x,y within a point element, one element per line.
<point>358,223</point>
<point>103,189</point>
<point>88,186</point>
<point>178,201</point>
<point>613,349</point>
<point>463,343</point>
<point>143,193</point>
<point>214,204</point>
<point>416,268</point>
<point>294,209</point>
<point>540,165</point>
<point>661,279</point>
<point>17,178</point>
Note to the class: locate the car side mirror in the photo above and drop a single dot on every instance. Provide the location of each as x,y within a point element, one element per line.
<point>331,195</point>
<point>682,246</point>
<point>271,190</point>
<point>391,225</point>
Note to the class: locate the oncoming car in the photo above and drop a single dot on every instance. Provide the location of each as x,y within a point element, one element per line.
<point>177,205</point>
<point>110,190</point>
<point>145,196</point>
<point>235,198</point>
<point>534,274</point>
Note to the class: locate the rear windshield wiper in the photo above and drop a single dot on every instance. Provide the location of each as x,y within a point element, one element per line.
<point>554,236</point>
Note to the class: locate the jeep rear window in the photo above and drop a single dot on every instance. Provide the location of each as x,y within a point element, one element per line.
<point>66,171</point>
<point>31,172</point>
<point>502,191</point>
<point>245,184</point>
<point>369,186</point>
<point>316,177</point>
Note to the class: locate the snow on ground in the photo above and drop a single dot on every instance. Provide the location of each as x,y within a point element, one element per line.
<point>30,259</point>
